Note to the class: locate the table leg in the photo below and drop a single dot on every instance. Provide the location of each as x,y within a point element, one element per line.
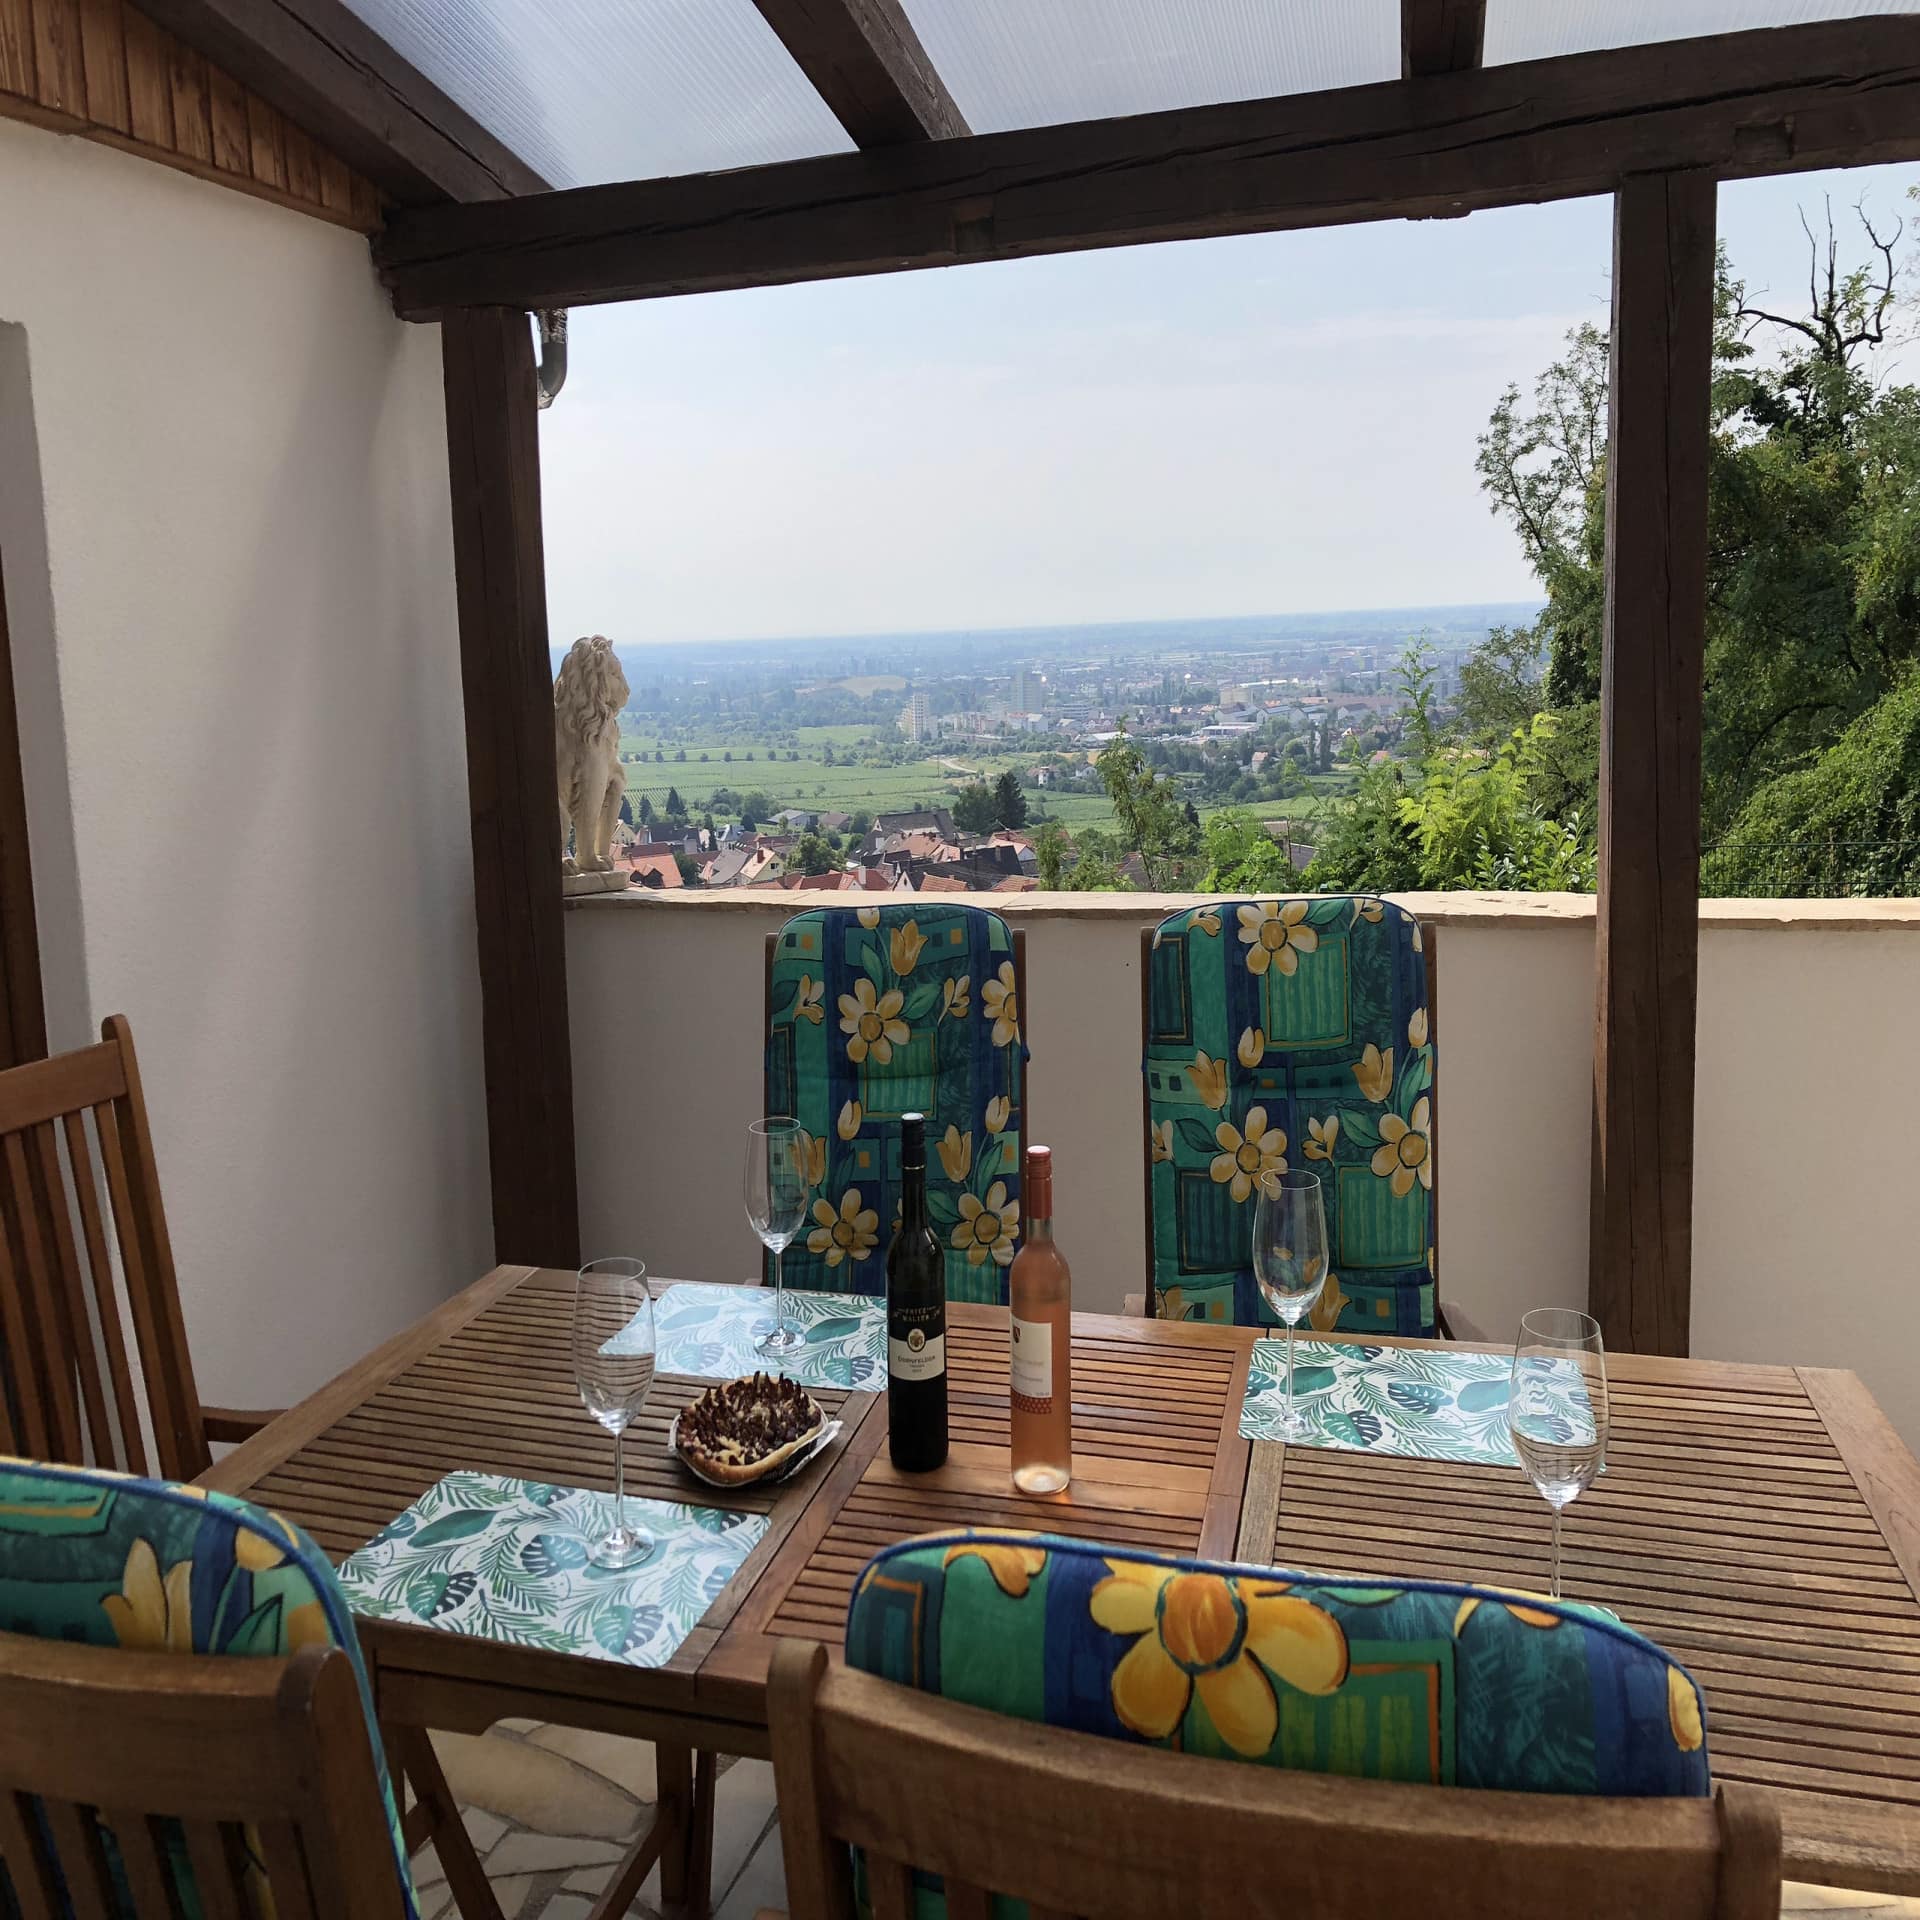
<point>685,1823</point>
<point>466,1878</point>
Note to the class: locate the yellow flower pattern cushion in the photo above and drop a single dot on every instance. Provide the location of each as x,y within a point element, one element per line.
<point>883,1010</point>
<point>1416,1680</point>
<point>1291,1033</point>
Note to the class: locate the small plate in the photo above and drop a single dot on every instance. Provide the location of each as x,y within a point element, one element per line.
<point>785,1471</point>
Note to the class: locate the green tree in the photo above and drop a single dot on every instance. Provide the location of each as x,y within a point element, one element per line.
<point>676,807</point>
<point>755,801</point>
<point>812,855</point>
<point>689,869</point>
<point>1097,866</point>
<point>861,824</point>
<point>1243,857</point>
<point>1050,847</point>
<point>646,811</point>
<point>1009,800</point>
<point>1151,812</point>
<point>626,808</point>
<point>973,808</point>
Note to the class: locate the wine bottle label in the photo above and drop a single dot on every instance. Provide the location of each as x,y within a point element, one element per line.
<point>917,1357</point>
<point>1033,1365</point>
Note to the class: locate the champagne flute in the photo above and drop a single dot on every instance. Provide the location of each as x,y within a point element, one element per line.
<point>613,1348</point>
<point>1558,1408</point>
<point>1290,1263</point>
<point>776,1197</point>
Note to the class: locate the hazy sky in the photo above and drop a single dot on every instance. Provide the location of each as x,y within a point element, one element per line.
<point>1282,423</point>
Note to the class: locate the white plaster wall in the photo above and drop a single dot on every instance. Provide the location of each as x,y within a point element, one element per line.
<point>1807,1059</point>
<point>235,641</point>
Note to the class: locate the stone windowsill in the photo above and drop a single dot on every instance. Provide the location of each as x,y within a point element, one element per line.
<point>1485,910</point>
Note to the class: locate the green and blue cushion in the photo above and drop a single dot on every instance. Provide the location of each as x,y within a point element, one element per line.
<point>1291,1033</point>
<point>1413,1681</point>
<point>878,1011</point>
<point>106,1560</point>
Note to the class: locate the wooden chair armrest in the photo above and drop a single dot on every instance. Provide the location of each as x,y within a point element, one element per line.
<point>1455,1325</point>
<point>228,1426</point>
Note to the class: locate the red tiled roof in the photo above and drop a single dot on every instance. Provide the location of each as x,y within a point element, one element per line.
<point>940,883</point>
<point>654,870</point>
<point>1016,883</point>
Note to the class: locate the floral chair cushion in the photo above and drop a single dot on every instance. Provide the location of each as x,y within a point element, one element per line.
<point>1409,1680</point>
<point>108,1560</point>
<point>878,1011</point>
<point>1291,1032</point>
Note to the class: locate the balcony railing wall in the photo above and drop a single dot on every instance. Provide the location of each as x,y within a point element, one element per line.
<point>1808,1132</point>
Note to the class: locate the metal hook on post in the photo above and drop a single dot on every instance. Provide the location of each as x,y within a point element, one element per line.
<point>551,375</point>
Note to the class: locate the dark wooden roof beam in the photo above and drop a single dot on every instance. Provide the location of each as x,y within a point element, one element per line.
<point>336,79</point>
<point>866,62</point>
<point>1441,36</point>
<point>1842,93</point>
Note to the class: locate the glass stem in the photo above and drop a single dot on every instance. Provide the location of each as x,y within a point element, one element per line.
<point>1289,1373</point>
<point>779,1289</point>
<point>1554,1586</point>
<point>620,1482</point>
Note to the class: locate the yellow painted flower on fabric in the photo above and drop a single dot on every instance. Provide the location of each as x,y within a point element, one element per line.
<point>904,946</point>
<point>956,1153</point>
<point>1683,1712</point>
<point>1374,1071</point>
<point>999,1002</point>
<point>1527,1616</point>
<point>149,1614</point>
<point>1253,1046</point>
<point>1221,1637</point>
<point>1207,921</point>
<point>987,1226</point>
<point>873,1021</point>
<point>1419,945</point>
<point>1257,1153</point>
<point>806,1002</point>
<point>813,1157</point>
<point>998,1108</point>
<point>257,1553</point>
<point>307,1627</point>
<point>1368,910</point>
<point>1417,1028</point>
<point>848,1234</point>
<point>1209,1079</point>
<point>1161,1138</point>
<point>1276,935</point>
<point>1324,1315</point>
<point>1322,1137</point>
<point>868,916</point>
<point>955,1001</point>
<point>1403,1155</point>
<point>848,1123</point>
<point>1012,1567</point>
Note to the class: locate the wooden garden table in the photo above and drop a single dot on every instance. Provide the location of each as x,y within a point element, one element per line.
<point>1762,1523</point>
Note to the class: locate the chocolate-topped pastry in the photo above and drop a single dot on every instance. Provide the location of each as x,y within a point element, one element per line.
<point>744,1429</point>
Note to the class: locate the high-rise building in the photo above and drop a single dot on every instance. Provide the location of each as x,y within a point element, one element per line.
<point>1029,692</point>
<point>918,717</point>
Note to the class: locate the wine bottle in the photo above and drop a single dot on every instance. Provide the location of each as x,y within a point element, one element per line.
<point>916,1319</point>
<point>1041,1289</point>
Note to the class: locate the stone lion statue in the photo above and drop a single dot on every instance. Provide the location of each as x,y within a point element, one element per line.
<point>587,698</point>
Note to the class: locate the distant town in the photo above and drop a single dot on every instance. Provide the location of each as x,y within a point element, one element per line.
<point>954,762</point>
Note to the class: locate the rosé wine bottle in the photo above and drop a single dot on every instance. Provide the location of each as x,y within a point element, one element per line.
<point>1041,1295</point>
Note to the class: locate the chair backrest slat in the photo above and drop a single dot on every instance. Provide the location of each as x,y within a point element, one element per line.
<point>142,1859</point>
<point>29,1866</point>
<point>75,1385</point>
<point>83,1859</point>
<point>890,1886</point>
<point>132,1448</point>
<point>219,1868</point>
<point>1073,1823</point>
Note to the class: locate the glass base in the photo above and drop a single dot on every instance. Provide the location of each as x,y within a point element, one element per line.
<point>1290,1426</point>
<point>623,1547</point>
<point>777,1340</point>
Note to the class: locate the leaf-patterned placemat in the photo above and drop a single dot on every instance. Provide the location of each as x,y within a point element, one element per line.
<point>709,1331</point>
<point>507,1560</point>
<point>1412,1401</point>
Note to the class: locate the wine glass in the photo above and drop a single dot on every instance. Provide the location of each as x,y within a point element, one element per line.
<point>613,1348</point>
<point>1290,1263</point>
<point>1557,1408</point>
<point>776,1196</point>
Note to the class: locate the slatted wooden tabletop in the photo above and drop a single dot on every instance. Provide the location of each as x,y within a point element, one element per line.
<point>1762,1522</point>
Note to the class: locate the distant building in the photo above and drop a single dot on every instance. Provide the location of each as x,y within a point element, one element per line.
<point>1029,692</point>
<point>916,718</point>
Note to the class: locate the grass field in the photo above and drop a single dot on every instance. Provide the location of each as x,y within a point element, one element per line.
<point>809,782</point>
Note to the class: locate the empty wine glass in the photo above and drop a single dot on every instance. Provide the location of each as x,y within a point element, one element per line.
<point>1290,1262</point>
<point>776,1189</point>
<point>613,1350</point>
<point>1557,1408</point>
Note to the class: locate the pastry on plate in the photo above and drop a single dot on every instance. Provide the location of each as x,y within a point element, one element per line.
<point>742,1430</point>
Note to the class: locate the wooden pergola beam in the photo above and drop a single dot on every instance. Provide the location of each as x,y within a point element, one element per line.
<point>1777,100</point>
<point>863,58</point>
<point>493,453</point>
<point>1441,36</point>
<point>1648,928</point>
<point>335,78</point>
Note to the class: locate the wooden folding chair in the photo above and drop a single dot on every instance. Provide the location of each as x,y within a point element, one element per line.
<point>1075,1824</point>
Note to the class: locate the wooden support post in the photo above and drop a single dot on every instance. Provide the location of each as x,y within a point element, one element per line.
<point>493,453</point>
<point>23,1015</point>
<point>1648,933</point>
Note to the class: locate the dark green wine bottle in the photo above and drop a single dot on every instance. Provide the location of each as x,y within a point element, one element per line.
<point>916,1319</point>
